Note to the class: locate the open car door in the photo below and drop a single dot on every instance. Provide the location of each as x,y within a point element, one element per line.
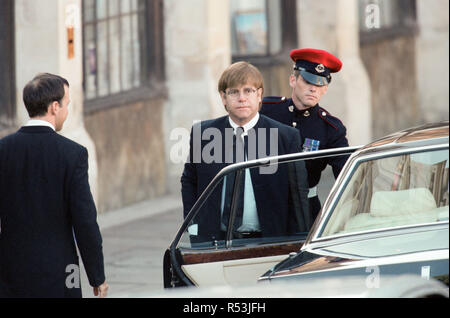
<point>211,248</point>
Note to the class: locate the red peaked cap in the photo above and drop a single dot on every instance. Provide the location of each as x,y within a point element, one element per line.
<point>317,56</point>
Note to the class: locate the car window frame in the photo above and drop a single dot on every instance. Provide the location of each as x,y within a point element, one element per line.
<point>175,257</point>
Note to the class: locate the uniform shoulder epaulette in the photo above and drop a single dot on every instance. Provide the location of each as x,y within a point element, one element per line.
<point>273,100</point>
<point>329,119</point>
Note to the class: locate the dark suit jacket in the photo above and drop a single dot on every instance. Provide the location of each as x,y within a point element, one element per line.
<point>271,191</point>
<point>45,205</point>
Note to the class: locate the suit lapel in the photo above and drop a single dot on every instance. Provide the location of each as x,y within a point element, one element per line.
<point>262,137</point>
<point>226,145</point>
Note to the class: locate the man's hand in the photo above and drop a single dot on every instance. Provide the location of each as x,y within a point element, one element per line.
<point>101,290</point>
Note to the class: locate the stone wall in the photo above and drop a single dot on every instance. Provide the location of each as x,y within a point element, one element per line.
<point>276,78</point>
<point>432,47</point>
<point>391,67</point>
<point>197,51</point>
<point>130,153</point>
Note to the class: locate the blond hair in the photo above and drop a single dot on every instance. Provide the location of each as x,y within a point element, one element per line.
<point>240,73</point>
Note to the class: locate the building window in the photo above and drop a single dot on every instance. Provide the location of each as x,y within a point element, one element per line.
<point>258,29</point>
<point>379,19</point>
<point>122,47</point>
<point>7,80</point>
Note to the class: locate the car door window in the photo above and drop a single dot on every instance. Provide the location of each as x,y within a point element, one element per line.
<point>260,205</point>
<point>393,191</point>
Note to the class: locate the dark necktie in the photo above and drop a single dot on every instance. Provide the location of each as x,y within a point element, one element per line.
<point>240,156</point>
<point>240,146</point>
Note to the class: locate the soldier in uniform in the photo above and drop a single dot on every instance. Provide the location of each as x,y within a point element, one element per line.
<point>318,128</point>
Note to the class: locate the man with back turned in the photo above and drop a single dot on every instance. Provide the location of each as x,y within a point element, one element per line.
<point>46,206</point>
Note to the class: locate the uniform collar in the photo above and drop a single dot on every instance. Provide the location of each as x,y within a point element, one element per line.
<point>305,112</point>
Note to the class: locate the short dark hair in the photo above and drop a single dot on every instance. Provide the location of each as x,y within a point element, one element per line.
<point>41,91</point>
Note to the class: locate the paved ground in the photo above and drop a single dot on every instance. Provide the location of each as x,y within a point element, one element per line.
<point>134,249</point>
<point>135,239</point>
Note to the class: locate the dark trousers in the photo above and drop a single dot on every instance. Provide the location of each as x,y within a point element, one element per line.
<point>314,206</point>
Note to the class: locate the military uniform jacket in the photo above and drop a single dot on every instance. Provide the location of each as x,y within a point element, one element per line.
<point>45,205</point>
<point>315,123</point>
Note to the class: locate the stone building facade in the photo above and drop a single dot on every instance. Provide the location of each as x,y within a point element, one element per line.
<point>142,71</point>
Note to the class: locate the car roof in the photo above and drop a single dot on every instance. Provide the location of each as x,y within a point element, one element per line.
<point>424,135</point>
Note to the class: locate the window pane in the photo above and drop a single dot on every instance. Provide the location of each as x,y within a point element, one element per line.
<point>89,10</point>
<point>134,5</point>
<point>249,27</point>
<point>381,14</point>
<point>136,51</point>
<point>90,62</point>
<point>101,9</point>
<point>102,59</point>
<point>274,14</point>
<point>126,53</point>
<point>114,55</point>
<point>390,13</point>
<point>113,7</point>
<point>7,86</point>
<point>125,6</point>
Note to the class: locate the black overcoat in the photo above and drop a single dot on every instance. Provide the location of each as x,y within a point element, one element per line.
<point>46,209</point>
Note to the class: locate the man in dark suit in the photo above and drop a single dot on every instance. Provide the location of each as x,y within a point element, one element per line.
<point>46,205</point>
<point>265,195</point>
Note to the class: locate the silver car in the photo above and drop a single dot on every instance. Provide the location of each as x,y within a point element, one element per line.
<point>386,214</point>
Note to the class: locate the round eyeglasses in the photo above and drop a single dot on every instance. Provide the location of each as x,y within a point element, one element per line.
<point>234,93</point>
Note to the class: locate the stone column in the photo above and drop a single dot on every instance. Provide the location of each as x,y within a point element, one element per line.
<point>42,46</point>
<point>198,49</point>
<point>432,59</point>
<point>333,26</point>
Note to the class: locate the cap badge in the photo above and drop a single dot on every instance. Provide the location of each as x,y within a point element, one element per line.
<point>291,109</point>
<point>306,113</point>
<point>320,68</point>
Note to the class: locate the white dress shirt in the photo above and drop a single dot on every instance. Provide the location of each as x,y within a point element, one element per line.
<point>38,122</point>
<point>250,221</point>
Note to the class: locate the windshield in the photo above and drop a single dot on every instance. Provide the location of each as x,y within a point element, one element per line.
<point>393,191</point>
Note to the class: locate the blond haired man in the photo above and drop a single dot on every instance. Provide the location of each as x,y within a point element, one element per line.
<point>264,196</point>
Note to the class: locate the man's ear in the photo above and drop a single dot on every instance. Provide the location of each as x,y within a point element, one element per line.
<point>292,81</point>
<point>224,99</point>
<point>54,107</point>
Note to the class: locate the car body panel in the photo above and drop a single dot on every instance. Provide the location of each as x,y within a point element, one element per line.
<point>232,272</point>
<point>330,261</point>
